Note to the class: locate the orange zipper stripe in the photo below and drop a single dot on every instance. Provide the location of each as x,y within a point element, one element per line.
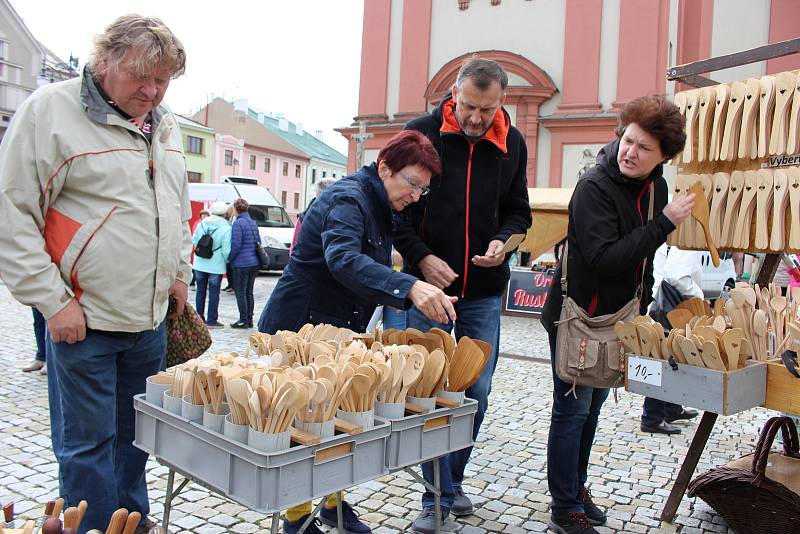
<point>466,225</point>
<point>73,274</point>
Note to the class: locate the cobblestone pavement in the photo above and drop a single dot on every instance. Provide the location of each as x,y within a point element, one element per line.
<point>630,473</point>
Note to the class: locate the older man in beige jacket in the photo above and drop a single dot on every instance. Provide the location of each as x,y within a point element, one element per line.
<point>94,200</point>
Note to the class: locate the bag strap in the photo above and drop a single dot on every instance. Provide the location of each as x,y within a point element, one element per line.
<point>565,255</point>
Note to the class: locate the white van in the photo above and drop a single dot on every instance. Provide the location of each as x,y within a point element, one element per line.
<point>715,278</point>
<point>274,225</point>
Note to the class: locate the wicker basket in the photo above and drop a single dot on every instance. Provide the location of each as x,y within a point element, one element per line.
<point>758,493</point>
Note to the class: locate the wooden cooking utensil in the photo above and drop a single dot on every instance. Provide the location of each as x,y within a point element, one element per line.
<point>706,181</point>
<point>780,201</point>
<point>711,358</point>
<point>761,332</point>
<point>686,231</point>
<point>718,125</point>
<point>785,84</point>
<point>766,110</point>
<point>793,140</point>
<point>742,230</point>
<point>732,208</point>
<point>700,212</point>
<point>132,522</point>
<point>512,243</point>
<point>82,507</point>
<point>793,178</point>
<point>466,365</point>
<point>764,193</point>
<point>448,342</point>
<point>732,344</point>
<point>645,339</point>
<point>117,522</point>
<point>412,370</point>
<point>721,182</point>
<point>733,122</point>
<point>690,351</point>
<point>679,317</point>
<point>626,332</point>
<point>748,142</point>
<point>706,100</point>
<point>692,116</point>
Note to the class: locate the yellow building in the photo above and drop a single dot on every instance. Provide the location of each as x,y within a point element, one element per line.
<point>198,146</point>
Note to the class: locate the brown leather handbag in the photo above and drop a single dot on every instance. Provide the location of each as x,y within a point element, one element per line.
<point>588,352</point>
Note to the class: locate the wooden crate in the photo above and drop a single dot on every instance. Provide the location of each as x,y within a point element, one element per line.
<point>783,389</point>
<point>705,389</point>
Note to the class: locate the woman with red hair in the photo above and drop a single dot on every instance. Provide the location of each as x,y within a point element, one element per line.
<point>341,268</point>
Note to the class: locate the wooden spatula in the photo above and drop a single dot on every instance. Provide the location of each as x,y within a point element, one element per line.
<point>764,195</point>
<point>706,100</point>
<point>711,358</point>
<point>780,200</point>
<point>766,110</point>
<point>785,83</point>
<point>793,178</point>
<point>700,212</point>
<point>732,205</point>
<point>748,142</point>
<point>718,125</point>
<point>512,243</point>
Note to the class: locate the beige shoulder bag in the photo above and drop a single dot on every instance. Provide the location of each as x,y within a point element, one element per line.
<point>588,352</point>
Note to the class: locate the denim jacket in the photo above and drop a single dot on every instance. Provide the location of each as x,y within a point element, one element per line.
<point>340,269</point>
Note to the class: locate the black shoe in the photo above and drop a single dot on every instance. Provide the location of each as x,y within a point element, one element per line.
<point>240,324</point>
<point>215,324</point>
<point>462,505</point>
<point>594,514</point>
<point>686,414</point>
<point>352,524</point>
<point>571,523</point>
<point>661,428</point>
<point>292,527</point>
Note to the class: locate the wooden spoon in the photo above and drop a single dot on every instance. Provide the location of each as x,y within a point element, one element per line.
<point>700,212</point>
<point>766,111</point>
<point>780,186</point>
<point>411,373</point>
<point>760,330</point>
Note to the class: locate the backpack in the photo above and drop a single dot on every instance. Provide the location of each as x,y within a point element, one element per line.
<point>205,245</point>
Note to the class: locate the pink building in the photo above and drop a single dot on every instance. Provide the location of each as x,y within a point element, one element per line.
<point>572,64</point>
<point>246,148</point>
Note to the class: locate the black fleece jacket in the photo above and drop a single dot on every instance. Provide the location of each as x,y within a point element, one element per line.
<point>609,238</point>
<point>481,195</point>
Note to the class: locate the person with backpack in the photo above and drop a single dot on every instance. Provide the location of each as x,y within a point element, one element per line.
<point>212,246</point>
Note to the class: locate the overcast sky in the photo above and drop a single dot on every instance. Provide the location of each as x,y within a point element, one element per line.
<point>296,57</point>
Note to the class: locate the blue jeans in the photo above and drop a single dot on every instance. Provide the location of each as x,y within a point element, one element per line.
<point>244,280</point>
<point>654,411</point>
<point>479,319</point>
<point>39,328</point>
<point>572,427</point>
<point>91,385</point>
<point>207,282</point>
<point>394,318</point>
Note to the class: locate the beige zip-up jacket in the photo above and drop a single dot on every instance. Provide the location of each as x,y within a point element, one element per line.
<point>89,209</point>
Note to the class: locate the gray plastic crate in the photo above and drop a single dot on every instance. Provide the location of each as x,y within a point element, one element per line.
<point>267,483</point>
<point>422,437</point>
<point>705,389</point>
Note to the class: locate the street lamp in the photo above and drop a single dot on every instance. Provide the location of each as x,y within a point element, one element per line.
<point>42,79</point>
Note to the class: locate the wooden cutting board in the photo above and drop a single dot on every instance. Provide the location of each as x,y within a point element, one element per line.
<point>766,110</point>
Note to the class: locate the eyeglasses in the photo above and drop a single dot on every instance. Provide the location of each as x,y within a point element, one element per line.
<point>423,189</point>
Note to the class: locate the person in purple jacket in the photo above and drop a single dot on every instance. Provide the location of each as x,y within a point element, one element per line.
<point>244,240</point>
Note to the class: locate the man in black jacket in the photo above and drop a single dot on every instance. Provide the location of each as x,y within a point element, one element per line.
<point>452,237</point>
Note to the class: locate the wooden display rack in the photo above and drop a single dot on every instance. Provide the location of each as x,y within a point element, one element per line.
<point>691,74</point>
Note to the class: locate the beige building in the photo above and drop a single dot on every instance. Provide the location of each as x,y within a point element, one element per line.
<point>25,64</point>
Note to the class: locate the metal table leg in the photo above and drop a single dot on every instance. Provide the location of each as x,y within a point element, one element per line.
<point>339,516</point>
<point>170,494</point>
<point>699,441</point>
<point>276,521</point>
<point>437,497</point>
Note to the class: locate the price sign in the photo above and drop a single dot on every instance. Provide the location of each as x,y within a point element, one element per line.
<point>646,371</point>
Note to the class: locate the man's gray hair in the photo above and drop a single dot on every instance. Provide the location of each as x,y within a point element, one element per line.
<point>482,72</point>
<point>323,184</point>
<point>154,46</point>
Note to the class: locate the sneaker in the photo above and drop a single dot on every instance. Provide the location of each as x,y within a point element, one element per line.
<point>685,415</point>
<point>215,324</point>
<point>571,523</point>
<point>594,514</point>
<point>43,370</point>
<point>352,524</point>
<point>239,324</point>
<point>425,523</point>
<point>461,503</point>
<point>292,527</point>
<point>35,365</point>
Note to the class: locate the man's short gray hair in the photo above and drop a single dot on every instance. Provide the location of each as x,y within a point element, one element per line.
<point>482,72</point>
<point>323,184</point>
<point>154,46</point>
